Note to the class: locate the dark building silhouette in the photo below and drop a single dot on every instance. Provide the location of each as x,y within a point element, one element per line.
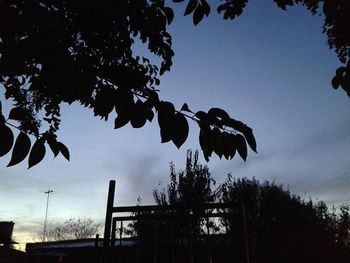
<point>7,253</point>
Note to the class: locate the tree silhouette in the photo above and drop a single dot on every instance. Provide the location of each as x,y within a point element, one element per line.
<point>187,189</point>
<point>60,51</point>
<point>264,219</point>
<point>73,228</point>
<point>282,227</point>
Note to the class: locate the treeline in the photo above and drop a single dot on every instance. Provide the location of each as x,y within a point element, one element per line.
<point>265,222</point>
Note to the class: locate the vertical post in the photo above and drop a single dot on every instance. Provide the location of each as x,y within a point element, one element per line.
<point>191,240</point>
<point>120,249</point>
<point>245,233</point>
<point>121,233</point>
<point>209,242</point>
<point>172,242</point>
<point>155,244</point>
<point>138,247</point>
<point>97,237</point>
<point>114,228</point>
<point>109,211</point>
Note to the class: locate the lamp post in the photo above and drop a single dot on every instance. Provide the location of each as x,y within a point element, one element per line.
<point>48,192</point>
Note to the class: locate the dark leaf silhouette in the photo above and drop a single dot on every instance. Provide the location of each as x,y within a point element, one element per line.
<point>104,103</point>
<point>165,135</point>
<point>198,15</point>
<point>169,14</point>
<point>206,141</point>
<point>63,150</point>
<point>217,142</point>
<point>218,113</point>
<point>192,4</point>
<point>336,82</point>
<point>185,108</point>
<point>37,153</point>
<point>180,131</point>
<point>53,144</point>
<point>21,149</point>
<point>17,114</point>
<point>121,120</point>
<point>150,115</point>
<point>206,7</point>
<point>227,143</point>
<point>202,115</point>
<point>6,139</point>
<point>139,115</point>
<point>166,115</point>
<point>232,145</point>
<point>248,134</point>
<point>241,146</point>
<point>218,116</point>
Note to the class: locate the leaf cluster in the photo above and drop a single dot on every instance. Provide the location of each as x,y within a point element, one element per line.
<point>22,147</point>
<point>60,51</point>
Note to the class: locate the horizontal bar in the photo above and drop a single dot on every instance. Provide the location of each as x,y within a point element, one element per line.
<point>162,216</point>
<point>150,208</point>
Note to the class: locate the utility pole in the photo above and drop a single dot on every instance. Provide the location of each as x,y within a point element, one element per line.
<point>48,192</point>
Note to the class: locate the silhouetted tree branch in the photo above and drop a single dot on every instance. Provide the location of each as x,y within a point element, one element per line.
<point>73,228</point>
<point>55,52</point>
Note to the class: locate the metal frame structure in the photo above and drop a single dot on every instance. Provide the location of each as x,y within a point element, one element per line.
<point>212,210</point>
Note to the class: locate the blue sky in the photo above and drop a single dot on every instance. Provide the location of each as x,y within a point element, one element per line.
<point>269,68</point>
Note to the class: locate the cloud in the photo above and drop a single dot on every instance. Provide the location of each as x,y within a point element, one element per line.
<point>136,176</point>
<point>317,165</point>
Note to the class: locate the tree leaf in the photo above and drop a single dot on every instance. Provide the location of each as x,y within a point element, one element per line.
<point>198,15</point>
<point>241,146</point>
<point>185,108</point>
<point>340,71</point>
<point>150,115</point>
<point>138,115</point>
<point>6,139</point>
<point>63,149</point>
<point>37,153</point>
<point>180,132</point>
<point>53,144</point>
<point>21,149</point>
<point>233,146</point>
<point>165,135</point>
<point>205,141</point>
<point>217,112</point>
<point>221,8</point>
<point>248,134</point>
<point>190,7</point>
<point>217,142</point>
<point>336,82</point>
<point>166,115</point>
<point>226,144</point>
<point>201,115</point>
<point>17,114</point>
<point>121,120</point>
<point>206,7</point>
<point>169,13</point>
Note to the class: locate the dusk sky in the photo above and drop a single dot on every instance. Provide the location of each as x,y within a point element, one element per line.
<point>268,68</point>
